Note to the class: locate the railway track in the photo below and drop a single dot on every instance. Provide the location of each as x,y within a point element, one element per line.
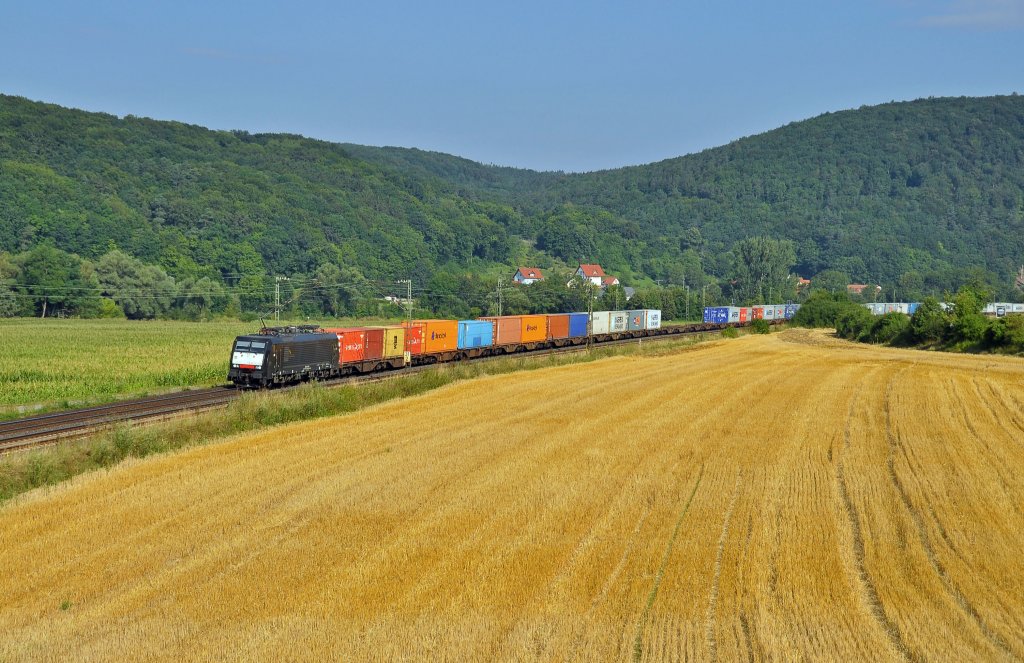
<point>45,429</point>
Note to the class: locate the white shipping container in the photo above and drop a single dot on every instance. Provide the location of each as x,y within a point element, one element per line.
<point>653,318</point>
<point>1017,308</point>
<point>599,322</point>
<point>617,321</point>
<point>734,314</point>
<point>768,312</point>
<point>780,311</point>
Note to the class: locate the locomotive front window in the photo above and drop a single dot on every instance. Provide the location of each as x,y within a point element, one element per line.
<point>258,345</point>
<point>241,345</point>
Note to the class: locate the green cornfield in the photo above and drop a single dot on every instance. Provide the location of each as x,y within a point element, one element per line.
<point>51,364</point>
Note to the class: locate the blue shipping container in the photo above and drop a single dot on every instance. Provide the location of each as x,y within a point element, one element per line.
<point>717,314</point>
<point>475,334</point>
<point>577,324</point>
<point>791,310</point>
<point>912,307</point>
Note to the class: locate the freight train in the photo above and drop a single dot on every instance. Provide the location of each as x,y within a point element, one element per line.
<point>286,355</point>
<point>283,355</point>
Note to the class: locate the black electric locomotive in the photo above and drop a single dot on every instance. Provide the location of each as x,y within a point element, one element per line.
<point>283,355</point>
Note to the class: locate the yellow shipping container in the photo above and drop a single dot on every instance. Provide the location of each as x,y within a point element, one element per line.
<point>535,328</point>
<point>394,340</point>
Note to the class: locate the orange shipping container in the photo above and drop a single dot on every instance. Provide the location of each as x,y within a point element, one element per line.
<point>439,335</point>
<point>535,328</point>
<point>558,325</point>
<point>510,329</point>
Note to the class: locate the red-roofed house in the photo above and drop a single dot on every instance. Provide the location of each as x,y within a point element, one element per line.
<point>609,280</point>
<point>592,273</point>
<point>528,275</point>
<point>858,288</point>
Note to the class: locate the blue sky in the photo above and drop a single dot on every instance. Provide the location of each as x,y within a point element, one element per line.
<point>550,85</point>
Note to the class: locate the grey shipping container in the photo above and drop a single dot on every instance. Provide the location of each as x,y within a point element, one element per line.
<point>636,319</point>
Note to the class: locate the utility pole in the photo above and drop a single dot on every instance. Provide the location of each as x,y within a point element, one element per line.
<point>277,296</point>
<point>687,302</point>
<point>408,299</point>
<point>590,315</point>
<point>499,296</point>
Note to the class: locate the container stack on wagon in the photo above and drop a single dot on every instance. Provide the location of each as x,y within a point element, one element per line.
<point>475,334</point>
<point>998,309</point>
<point>745,314</point>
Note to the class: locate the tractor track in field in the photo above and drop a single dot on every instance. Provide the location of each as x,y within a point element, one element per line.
<point>47,429</point>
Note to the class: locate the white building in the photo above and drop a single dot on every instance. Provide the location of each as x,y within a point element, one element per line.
<point>528,275</point>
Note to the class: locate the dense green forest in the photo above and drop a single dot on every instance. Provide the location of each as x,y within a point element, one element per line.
<point>918,196</point>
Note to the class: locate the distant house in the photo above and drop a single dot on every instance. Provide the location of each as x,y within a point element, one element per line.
<point>629,292</point>
<point>592,273</point>
<point>802,283</point>
<point>609,280</point>
<point>528,275</point>
<point>859,288</point>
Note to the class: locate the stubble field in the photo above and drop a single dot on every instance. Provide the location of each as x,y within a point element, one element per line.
<point>768,498</point>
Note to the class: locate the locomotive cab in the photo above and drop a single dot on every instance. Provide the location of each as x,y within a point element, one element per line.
<point>248,357</point>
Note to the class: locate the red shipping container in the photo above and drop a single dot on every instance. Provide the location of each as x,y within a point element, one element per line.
<point>413,338</point>
<point>558,325</point>
<point>744,314</point>
<point>351,343</point>
<point>758,312</point>
<point>374,343</point>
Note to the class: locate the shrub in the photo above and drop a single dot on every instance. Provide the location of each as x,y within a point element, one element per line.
<point>930,323</point>
<point>854,323</point>
<point>969,325</point>
<point>891,328</point>
<point>730,332</point>
<point>761,327</point>
<point>1007,333</point>
<point>822,309</point>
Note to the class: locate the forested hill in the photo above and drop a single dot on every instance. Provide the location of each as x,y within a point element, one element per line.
<point>919,191</point>
<point>215,202</point>
<point>928,188</point>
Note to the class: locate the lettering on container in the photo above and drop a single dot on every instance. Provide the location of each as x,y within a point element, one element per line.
<point>437,335</point>
<point>531,327</point>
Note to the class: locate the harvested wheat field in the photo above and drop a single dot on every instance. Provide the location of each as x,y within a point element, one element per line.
<point>768,498</point>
